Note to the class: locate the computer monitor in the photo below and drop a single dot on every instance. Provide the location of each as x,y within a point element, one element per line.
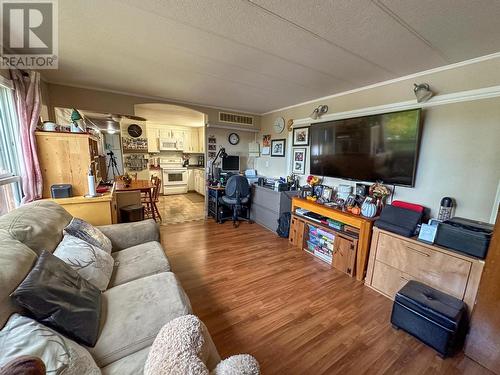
<point>231,163</point>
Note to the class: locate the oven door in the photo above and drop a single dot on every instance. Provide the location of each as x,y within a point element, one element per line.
<point>172,177</point>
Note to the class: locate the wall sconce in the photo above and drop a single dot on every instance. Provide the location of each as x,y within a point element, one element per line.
<point>319,111</point>
<point>423,92</point>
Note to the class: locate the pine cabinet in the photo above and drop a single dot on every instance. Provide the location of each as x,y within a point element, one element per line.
<point>65,158</point>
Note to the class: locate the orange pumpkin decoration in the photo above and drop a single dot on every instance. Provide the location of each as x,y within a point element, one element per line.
<point>356,210</point>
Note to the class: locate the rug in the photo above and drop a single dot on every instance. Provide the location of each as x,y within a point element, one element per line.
<point>195,197</point>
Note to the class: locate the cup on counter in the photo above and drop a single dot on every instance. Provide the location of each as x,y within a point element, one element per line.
<point>49,126</point>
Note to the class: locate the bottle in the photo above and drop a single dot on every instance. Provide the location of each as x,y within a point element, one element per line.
<point>91,183</point>
<point>446,208</point>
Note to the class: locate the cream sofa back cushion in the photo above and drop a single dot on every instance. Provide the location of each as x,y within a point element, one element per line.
<point>38,225</point>
<point>16,261</point>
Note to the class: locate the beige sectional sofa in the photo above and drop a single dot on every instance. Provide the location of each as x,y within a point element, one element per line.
<point>142,296</point>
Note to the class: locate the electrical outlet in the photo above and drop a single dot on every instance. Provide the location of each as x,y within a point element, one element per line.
<point>267,163</point>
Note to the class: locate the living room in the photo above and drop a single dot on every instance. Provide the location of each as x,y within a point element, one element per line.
<point>251,187</point>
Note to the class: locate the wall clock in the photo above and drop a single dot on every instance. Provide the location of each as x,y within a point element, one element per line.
<point>233,138</point>
<point>279,125</point>
<point>134,130</point>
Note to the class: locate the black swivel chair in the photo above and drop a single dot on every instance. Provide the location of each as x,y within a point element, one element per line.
<point>237,198</point>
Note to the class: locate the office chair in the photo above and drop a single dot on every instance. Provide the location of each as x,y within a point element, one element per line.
<point>237,198</point>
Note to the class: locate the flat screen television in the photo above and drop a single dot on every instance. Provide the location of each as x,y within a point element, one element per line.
<point>370,148</point>
<point>231,163</point>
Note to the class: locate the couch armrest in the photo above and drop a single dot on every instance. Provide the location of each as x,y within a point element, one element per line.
<point>126,235</point>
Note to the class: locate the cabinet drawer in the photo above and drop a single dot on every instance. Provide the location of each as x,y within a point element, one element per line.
<point>434,268</point>
<point>266,198</point>
<point>388,280</point>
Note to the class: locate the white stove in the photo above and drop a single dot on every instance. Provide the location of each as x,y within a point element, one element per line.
<point>175,176</point>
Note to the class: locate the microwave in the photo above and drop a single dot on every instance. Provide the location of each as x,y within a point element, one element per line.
<point>170,144</point>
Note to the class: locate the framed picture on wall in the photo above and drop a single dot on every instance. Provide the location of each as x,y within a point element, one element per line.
<point>266,144</point>
<point>299,161</point>
<point>301,136</point>
<point>278,147</point>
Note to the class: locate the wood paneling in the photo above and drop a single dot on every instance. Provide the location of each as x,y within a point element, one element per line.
<point>258,294</point>
<point>483,341</point>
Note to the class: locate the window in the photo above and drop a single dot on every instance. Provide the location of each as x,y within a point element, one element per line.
<point>10,144</point>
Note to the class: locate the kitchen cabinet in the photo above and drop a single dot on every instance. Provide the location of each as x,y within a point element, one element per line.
<point>201,140</point>
<point>199,181</point>
<point>191,185</point>
<point>153,133</point>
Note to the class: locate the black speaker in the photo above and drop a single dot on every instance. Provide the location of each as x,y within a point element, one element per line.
<point>61,191</point>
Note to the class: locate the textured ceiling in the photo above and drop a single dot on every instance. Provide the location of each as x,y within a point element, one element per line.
<point>260,55</point>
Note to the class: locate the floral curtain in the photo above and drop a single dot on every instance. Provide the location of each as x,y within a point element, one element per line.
<point>28,104</point>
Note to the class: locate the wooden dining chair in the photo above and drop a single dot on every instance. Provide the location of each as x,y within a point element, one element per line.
<point>148,206</point>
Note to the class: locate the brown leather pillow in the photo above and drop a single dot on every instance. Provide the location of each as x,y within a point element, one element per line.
<point>24,365</point>
<point>58,297</point>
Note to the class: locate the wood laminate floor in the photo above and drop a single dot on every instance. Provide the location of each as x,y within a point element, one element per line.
<point>295,314</point>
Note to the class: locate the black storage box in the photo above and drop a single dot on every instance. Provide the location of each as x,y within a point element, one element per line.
<point>61,191</point>
<point>434,317</point>
<point>464,235</point>
<point>399,220</point>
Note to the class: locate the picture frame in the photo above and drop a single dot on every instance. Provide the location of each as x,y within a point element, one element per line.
<point>299,161</point>
<point>301,136</point>
<point>327,193</point>
<point>266,144</point>
<point>278,147</point>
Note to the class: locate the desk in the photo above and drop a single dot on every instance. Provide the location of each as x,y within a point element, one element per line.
<point>97,211</point>
<point>144,186</point>
<point>364,225</point>
<point>214,193</point>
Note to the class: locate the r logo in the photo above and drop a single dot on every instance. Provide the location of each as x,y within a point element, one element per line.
<point>28,28</point>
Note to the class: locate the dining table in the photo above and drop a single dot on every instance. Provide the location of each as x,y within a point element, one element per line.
<point>144,186</point>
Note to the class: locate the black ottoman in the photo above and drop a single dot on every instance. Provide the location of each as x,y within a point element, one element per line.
<point>434,317</point>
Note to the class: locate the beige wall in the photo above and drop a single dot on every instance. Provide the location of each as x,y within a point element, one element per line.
<point>108,102</point>
<point>459,155</point>
<point>241,149</point>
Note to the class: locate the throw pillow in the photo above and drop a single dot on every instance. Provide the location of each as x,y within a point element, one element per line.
<point>93,264</point>
<point>24,365</point>
<point>87,232</point>
<point>24,336</point>
<point>181,348</point>
<point>57,296</point>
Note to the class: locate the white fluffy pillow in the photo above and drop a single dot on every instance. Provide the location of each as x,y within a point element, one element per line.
<point>181,348</point>
<point>93,264</point>
<point>24,336</point>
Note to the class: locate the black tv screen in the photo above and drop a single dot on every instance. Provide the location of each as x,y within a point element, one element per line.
<point>371,148</point>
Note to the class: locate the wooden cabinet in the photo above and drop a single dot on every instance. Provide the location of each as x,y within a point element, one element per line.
<point>65,159</point>
<point>198,181</point>
<point>153,133</point>
<point>344,245</point>
<point>360,225</point>
<point>191,179</point>
<point>201,140</point>
<point>395,259</point>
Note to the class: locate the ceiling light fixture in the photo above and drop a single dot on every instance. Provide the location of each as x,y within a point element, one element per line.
<point>423,92</point>
<point>319,111</point>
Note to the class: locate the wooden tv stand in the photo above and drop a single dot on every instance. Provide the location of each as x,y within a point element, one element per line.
<point>364,225</point>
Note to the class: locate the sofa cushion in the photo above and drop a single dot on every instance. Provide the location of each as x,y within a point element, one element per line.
<point>57,296</point>
<point>133,314</point>
<point>38,225</point>
<point>88,233</point>
<point>16,260</point>
<point>24,336</point>
<point>93,264</point>
<point>138,261</point>
<point>132,364</point>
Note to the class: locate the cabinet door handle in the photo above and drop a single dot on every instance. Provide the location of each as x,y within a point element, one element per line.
<point>418,251</point>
